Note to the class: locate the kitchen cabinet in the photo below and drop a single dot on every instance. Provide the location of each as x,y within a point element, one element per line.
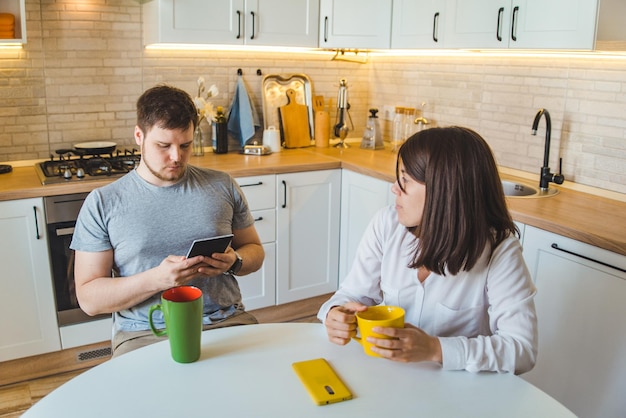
<point>307,234</point>
<point>27,308</point>
<point>531,24</point>
<point>582,333</point>
<point>18,9</point>
<point>361,197</point>
<point>417,24</point>
<point>355,24</point>
<point>232,22</point>
<point>258,289</point>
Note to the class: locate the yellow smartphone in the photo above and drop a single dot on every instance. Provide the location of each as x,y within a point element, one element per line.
<point>321,381</point>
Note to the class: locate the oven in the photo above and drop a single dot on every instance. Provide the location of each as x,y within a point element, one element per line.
<point>61,214</point>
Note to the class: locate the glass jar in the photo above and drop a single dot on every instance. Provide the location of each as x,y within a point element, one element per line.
<point>397,136</point>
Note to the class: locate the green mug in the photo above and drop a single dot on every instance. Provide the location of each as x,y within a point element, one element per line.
<point>182,311</point>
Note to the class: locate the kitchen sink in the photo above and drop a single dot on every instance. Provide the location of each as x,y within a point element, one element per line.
<point>517,189</point>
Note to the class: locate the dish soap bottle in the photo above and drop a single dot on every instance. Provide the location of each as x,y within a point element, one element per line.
<point>373,137</point>
<point>220,132</point>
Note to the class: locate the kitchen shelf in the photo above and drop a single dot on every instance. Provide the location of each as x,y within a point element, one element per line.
<point>18,9</point>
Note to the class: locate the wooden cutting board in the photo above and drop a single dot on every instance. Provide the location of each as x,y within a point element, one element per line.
<point>294,122</point>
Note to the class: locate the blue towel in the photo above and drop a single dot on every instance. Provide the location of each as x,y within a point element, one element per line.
<point>242,117</point>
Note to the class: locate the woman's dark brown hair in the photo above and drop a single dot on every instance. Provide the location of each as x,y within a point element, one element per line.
<point>465,209</point>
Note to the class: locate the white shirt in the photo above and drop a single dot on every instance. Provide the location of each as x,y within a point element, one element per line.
<point>485,318</point>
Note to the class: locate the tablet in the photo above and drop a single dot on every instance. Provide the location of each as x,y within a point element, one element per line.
<point>208,246</point>
<point>321,381</point>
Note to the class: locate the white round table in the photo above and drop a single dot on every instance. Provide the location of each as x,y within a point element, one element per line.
<point>245,371</point>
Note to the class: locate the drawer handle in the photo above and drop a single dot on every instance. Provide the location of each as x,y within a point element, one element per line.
<point>514,23</point>
<point>436,27</point>
<point>260,218</point>
<point>36,223</point>
<point>556,247</point>
<point>253,17</point>
<point>284,194</point>
<point>238,24</point>
<point>252,184</point>
<point>499,27</point>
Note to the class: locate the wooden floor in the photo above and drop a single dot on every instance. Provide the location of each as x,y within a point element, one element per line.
<point>23,382</point>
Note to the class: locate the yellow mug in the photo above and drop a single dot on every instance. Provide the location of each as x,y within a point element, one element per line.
<point>377,316</point>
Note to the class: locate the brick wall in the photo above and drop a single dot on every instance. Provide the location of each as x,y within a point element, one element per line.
<point>79,75</point>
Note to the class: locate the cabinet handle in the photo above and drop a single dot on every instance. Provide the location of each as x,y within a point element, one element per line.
<point>36,223</point>
<point>284,194</point>
<point>238,24</point>
<point>253,15</point>
<point>435,27</point>
<point>514,23</point>
<point>260,218</point>
<point>251,184</point>
<point>325,28</point>
<point>556,247</point>
<point>499,27</point>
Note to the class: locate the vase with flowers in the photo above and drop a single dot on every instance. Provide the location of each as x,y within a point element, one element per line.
<point>205,112</point>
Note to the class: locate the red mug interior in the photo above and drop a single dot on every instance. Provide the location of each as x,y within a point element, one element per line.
<point>182,294</point>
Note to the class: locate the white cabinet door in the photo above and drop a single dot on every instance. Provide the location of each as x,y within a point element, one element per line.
<point>477,23</point>
<point>27,308</point>
<point>232,22</point>
<point>361,197</point>
<point>194,21</point>
<point>258,289</point>
<point>282,23</point>
<point>307,234</point>
<point>530,24</point>
<point>581,309</point>
<point>553,24</point>
<point>364,24</point>
<point>418,24</point>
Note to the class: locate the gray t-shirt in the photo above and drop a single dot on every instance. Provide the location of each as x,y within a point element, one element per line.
<point>143,224</point>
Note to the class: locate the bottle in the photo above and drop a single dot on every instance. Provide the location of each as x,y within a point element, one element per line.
<point>369,135</point>
<point>197,146</point>
<point>220,132</point>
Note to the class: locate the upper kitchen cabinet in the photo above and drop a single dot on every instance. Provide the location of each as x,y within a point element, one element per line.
<point>523,24</point>
<point>355,24</point>
<point>417,24</point>
<point>232,22</point>
<point>611,34</point>
<point>18,10</point>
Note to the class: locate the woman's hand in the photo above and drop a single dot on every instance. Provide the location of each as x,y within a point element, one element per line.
<point>341,322</point>
<point>409,344</point>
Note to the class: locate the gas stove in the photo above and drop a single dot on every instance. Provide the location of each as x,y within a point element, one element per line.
<point>73,167</point>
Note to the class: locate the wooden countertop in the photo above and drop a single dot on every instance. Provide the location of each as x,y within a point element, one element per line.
<point>585,217</point>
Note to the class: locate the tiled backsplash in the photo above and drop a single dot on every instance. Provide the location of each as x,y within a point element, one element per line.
<point>79,75</point>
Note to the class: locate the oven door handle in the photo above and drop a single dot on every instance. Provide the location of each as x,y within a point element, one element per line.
<point>61,232</point>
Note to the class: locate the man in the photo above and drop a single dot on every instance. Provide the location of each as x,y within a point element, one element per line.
<point>130,235</point>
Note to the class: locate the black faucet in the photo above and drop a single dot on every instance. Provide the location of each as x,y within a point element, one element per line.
<point>546,175</point>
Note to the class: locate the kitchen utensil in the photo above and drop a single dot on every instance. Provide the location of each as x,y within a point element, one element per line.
<point>5,168</point>
<point>322,128</point>
<point>274,91</point>
<point>96,147</point>
<point>294,118</point>
<point>318,103</point>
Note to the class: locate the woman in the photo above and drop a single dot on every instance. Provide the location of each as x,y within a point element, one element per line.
<point>447,253</point>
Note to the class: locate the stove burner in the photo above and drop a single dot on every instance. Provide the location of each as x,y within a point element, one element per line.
<point>72,167</point>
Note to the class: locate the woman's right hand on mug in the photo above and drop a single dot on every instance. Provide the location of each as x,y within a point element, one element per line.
<point>341,322</point>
